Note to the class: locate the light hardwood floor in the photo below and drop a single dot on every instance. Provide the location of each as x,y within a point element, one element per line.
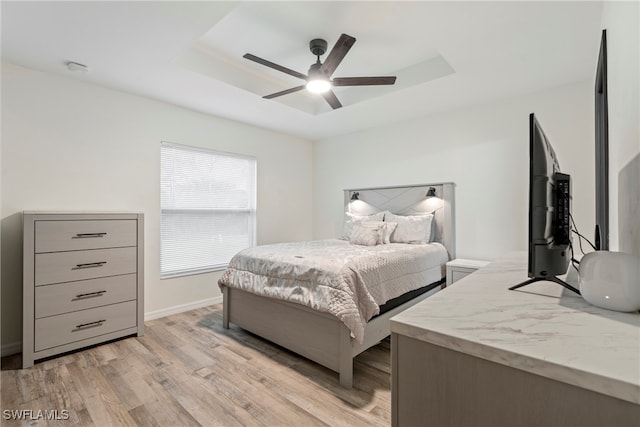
<point>188,371</point>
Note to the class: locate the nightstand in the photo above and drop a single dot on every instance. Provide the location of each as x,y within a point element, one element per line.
<point>459,268</point>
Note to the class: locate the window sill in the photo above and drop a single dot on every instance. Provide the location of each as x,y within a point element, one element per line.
<point>164,276</point>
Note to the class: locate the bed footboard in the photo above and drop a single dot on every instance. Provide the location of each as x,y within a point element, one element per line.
<point>317,336</point>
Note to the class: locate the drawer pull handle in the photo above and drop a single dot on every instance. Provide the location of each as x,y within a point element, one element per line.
<point>91,294</point>
<point>90,324</point>
<point>89,265</point>
<point>88,235</point>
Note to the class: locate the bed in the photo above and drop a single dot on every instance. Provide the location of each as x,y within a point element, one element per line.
<point>329,300</point>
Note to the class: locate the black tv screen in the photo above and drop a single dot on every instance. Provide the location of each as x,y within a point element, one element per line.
<point>549,211</point>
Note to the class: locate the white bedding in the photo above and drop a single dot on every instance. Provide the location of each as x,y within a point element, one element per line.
<point>333,276</point>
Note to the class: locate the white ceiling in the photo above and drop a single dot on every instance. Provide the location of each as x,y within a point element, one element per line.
<point>446,55</point>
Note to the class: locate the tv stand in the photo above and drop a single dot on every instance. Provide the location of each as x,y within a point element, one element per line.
<point>547,279</point>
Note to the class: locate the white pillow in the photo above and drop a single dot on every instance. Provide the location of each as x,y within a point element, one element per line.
<point>411,229</point>
<point>367,233</point>
<point>350,220</point>
<point>389,228</point>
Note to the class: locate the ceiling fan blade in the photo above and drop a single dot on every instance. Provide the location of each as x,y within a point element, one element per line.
<point>363,81</point>
<point>284,92</point>
<point>274,66</point>
<point>337,54</point>
<point>332,99</point>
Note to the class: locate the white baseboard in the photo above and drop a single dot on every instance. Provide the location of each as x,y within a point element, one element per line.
<point>16,347</point>
<point>11,348</point>
<point>181,308</point>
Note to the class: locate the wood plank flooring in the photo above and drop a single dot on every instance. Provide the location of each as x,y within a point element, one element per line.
<point>189,371</point>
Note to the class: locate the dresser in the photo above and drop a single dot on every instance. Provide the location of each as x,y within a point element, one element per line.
<point>479,354</point>
<point>83,280</point>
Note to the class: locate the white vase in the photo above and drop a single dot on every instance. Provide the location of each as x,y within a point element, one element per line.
<point>611,280</point>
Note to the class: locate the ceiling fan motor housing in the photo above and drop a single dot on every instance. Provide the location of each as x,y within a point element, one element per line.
<point>314,70</point>
<point>318,46</point>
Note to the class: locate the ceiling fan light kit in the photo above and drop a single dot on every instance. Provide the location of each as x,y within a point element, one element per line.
<point>317,82</point>
<point>318,85</point>
<point>318,79</point>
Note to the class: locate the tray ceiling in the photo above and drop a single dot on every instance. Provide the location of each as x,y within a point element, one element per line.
<point>446,55</point>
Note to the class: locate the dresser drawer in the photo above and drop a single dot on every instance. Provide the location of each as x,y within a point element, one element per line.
<point>62,298</point>
<point>58,267</point>
<point>54,236</point>
<point>79,325</point>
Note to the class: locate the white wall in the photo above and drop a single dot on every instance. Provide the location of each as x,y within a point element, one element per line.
<point>622,22</point>
<point>483,149</point>
<point>67,145</point>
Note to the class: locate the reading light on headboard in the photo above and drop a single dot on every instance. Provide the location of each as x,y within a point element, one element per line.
<point>355,196</point>
<point>431,192</point>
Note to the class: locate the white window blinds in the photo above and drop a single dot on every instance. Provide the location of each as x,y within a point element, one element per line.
<point>208,208</point>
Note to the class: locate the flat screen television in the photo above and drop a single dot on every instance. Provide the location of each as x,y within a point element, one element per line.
<point>549,212</point>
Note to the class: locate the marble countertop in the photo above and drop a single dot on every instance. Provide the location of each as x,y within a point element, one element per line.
<point>541,328</point>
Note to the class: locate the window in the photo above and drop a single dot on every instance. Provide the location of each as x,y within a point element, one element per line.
<point>208,208</point>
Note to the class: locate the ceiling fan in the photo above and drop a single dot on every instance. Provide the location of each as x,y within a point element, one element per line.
<point>319,79</point>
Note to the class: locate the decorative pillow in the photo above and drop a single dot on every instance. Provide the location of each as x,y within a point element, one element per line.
<point>411,229</point>
<point>389,228</point>
<point>367,233</point>
<point>350,220</point>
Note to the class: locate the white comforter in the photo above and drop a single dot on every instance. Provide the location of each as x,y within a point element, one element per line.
<point>336,277</point>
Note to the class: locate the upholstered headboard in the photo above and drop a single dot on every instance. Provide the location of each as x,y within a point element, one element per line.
<point>410,200</point>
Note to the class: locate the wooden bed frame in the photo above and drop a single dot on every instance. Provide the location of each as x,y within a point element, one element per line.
<point>319,336</point>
